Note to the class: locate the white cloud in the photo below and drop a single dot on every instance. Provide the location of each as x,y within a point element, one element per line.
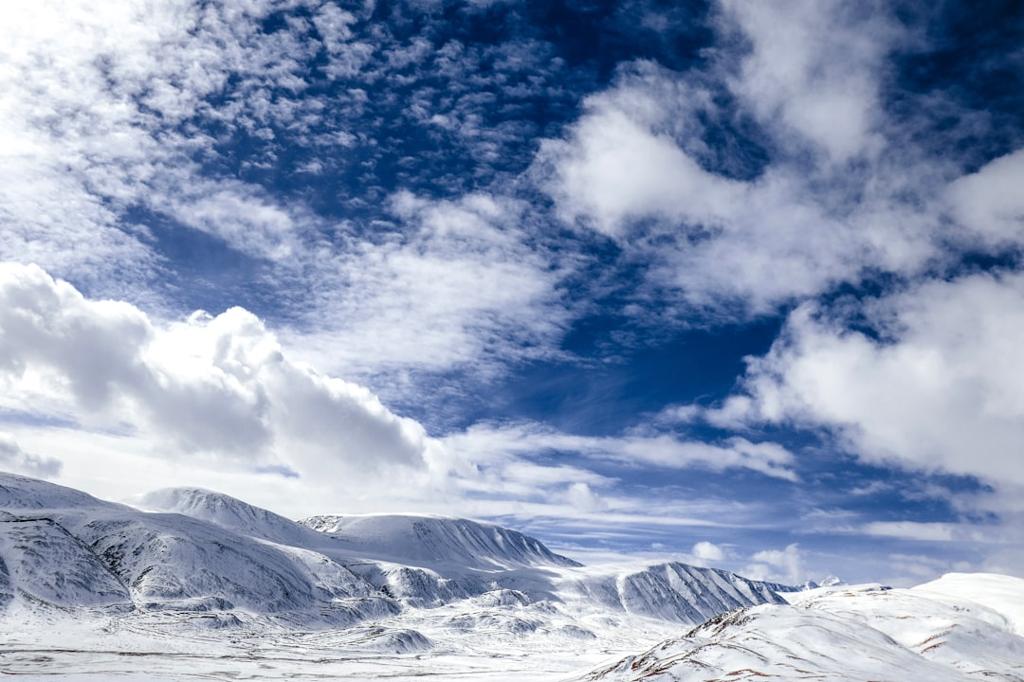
<point>989,202</point>
<point>581,496</point>
<point>13,458</point>
<point>707,552</point>
<point>925,531</point>
<point>617,167</point>
<point>217,386</point>
<point>458,287</point>
<point>240,216</point>
<point>935,391</point>
<point>813,69</point>
<point>634,167</point>
<point>658,450</point>
<point>784,565</point>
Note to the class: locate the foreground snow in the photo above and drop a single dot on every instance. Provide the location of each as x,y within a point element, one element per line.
<point>850,633</point>
<point>205,586</point>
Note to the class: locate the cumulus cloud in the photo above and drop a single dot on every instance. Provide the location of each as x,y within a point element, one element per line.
<point>621,161</point>
<point>813,68</point>
<point>629,169</point>
<point>989,202</point>
<point>785,565</point>
<point>13,458</point>
<point>582,497</point>
<point>933,387</point>
<point>219,386</point>
<point>707,552</point>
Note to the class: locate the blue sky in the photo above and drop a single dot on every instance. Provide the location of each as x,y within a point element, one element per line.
<point>730,282</point>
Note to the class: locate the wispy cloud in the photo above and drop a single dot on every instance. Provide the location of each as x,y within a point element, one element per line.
<point>658,450</point>
<point>448,285</point>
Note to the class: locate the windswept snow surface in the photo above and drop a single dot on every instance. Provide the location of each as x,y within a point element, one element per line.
<point>843,634</point>
<point>205,586</point>
<point>1001,593</point>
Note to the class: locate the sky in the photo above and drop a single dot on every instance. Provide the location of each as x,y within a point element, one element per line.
<point>733,283</point>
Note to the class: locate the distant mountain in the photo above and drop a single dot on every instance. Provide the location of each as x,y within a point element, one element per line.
<point>201,550</point>
<point>437,540</point>
<point>677,592</point>
<point>781,588</point>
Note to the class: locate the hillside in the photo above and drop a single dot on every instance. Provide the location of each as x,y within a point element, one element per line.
<point>842,634</point>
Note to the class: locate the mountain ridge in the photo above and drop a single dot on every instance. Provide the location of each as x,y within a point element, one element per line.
<point>197,549</point>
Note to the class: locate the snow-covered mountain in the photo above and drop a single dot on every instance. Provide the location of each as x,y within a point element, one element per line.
<point>431,540</point>
<point>227,512</point>
<point>42,561</point>
<point>65,548</point>
<point>203,550</point>
<point>677,592</point>
<point>848,634</point>
<point>216,579</point>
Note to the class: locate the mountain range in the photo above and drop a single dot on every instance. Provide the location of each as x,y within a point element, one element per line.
<point>229,581</point>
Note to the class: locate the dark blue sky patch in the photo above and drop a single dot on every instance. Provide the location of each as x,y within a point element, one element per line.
<point>963,88</point>
<point>605,395</point>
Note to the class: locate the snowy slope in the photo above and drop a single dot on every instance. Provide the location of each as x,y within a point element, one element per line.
<point>66,548</point>
<point>1001,593</point>
<point>771,643</point>
<point>431,540</point>
<point>842,634</point>
<point>44,562</point>
<point>227,512</point>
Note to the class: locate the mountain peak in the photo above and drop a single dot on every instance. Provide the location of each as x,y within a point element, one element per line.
<point>428,540</point>
<point>225,511</point>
